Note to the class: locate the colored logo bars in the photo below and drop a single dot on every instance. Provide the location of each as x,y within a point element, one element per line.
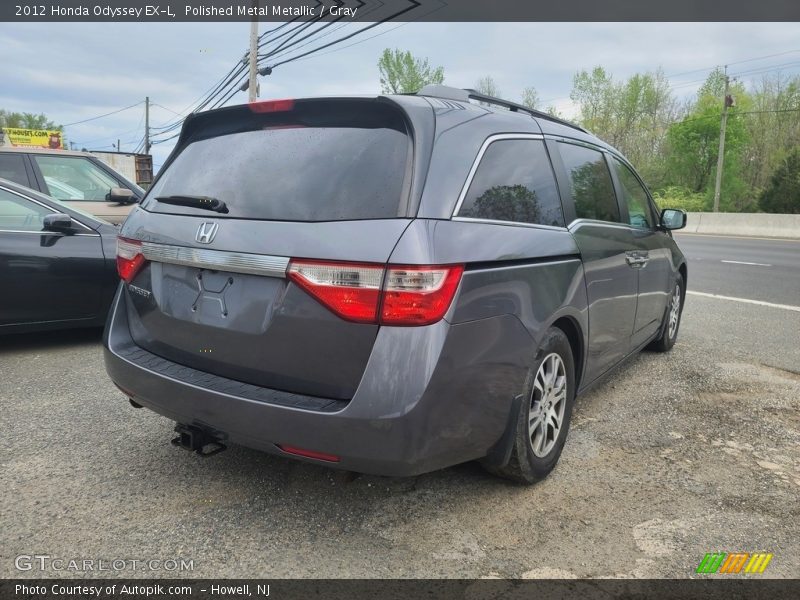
<point>736,562</point>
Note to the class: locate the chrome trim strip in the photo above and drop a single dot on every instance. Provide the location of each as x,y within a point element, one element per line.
<point>220,260</point>
<point>578,222</point>
<point>586,144</point>
<point>44,232</point>
<point>487,142</point>
<point>534,262</point>
<point>511,223</point>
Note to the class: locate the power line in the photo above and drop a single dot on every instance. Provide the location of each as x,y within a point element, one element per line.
<point>740,62</point>
<point>166,108</point>
<point>113,136</point>
<point>734,114</point>
<point>364,40</point>
<point>276,53</point>
<point>233,81</point>
<point>113,112</point>
<point>220,88</point>
<point>344,38</point>
<point>767,69</point>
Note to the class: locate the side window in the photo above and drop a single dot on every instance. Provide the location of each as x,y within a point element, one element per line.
<point>635,196</point>
<point>514,182</point>
<point>12,167</point>
<point>74,178</point>
<point>19,214</point>
<point>592,188</point>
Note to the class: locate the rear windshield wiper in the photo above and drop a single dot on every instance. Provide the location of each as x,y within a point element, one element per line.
<point>203,202</point>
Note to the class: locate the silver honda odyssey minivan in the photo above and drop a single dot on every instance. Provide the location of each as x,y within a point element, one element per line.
<point>390,284</point>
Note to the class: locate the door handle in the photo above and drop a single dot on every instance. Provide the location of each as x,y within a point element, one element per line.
<point>637,259</point>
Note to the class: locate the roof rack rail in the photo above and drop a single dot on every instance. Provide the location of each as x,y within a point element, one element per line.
<point>444,91</point>
<point>464,95</point>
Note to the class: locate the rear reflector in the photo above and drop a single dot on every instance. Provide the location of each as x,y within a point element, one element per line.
<point>269,106</point>
<point>309,453</point>
<point>129,258</point>
<point>370,293</point>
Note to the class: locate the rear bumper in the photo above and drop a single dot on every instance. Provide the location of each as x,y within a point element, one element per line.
<point>430,397</point>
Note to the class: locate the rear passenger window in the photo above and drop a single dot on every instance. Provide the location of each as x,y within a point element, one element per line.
<point>592,188</point>
<point>635,196</point>
<point>12,167</point>
<point>514,182</point>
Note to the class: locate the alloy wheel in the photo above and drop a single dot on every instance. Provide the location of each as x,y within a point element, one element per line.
<point>674,312</point>
<point>548,403</point>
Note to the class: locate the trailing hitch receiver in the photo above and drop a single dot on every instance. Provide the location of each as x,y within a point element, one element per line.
<point>196,439</point>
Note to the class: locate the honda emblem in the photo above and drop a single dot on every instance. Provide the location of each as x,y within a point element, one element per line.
<point>206,232</point>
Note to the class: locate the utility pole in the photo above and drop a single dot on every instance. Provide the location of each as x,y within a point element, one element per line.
<point>147,125</point>
<point>252,89</point>
<point>726,102</point>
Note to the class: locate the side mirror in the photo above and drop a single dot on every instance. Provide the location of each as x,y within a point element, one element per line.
<point>57,222</point>
<point>673,218</point>
<point>120,196</point>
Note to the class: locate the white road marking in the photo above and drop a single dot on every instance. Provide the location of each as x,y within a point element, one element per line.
<point>741,262</point>
<point>746,301</point>
<point>738,237</point>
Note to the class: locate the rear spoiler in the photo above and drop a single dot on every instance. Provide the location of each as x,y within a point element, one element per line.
<point>308,111</point>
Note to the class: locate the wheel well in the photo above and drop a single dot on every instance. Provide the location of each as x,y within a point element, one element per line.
<point>575,337</point>
<point>683,272</point>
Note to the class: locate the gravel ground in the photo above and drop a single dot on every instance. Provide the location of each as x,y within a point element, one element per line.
<point>672,457</point>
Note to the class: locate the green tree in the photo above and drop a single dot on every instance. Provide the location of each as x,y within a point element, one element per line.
<point>506,203</point>
<point>402,73</point>
<point>594,93</point>
<point>632,115</point>
<point>486,85</point>
<point>694,146</point>
<point>530,97</point>
<point>782,195</point>
<point>26,120</point>
<point>773,128</point>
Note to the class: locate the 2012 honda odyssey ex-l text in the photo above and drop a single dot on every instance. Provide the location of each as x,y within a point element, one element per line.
<point>390,284</point>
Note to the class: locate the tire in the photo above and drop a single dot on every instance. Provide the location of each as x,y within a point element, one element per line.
<point>533,456</point>
<point>669,330</point>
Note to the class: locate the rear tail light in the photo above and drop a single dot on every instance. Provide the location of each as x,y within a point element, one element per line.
<point>130,259</point>
<point>418,295</point>
<point>351,290</point>
<point>369,293</point>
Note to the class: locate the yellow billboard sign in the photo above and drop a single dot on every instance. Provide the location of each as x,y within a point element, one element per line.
<point>31,138</point>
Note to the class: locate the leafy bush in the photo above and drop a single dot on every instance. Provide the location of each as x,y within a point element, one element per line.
<point>675,196</point>
<point>783,192</point>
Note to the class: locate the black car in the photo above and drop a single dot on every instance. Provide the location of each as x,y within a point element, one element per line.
<point>389,285</point>
<point>57,263</point>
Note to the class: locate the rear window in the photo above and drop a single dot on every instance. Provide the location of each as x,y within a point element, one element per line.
<point>293,172</point>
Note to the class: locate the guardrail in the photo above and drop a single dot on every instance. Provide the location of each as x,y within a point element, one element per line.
<point>745,224</point>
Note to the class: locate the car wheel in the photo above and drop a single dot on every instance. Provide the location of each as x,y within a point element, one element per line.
<point>545,412</point>
<point>672,318</point>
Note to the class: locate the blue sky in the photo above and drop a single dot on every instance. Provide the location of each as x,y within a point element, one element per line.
<point>75,71</point>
